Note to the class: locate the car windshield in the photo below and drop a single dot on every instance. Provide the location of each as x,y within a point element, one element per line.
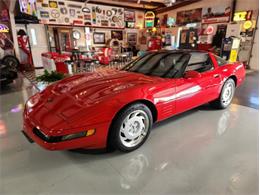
<point>166,65</point>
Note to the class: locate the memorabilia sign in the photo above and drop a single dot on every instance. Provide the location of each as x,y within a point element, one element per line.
<point>248,24</point>
<point>28,7</point>
<point>4,15</point>
<point>4,28</point>
<point>129,16</point>
<point>218,14</point>
<point>117,35</point>
<point>77,13</point>
<point>242,16</point>
<point>99,38</point>
<point>189,16</point>
<point>149,19</point>
<point>132,38</point>
<point>171,21</point>
<point>209,30</point>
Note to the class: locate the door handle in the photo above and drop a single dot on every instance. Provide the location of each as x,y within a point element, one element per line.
<point>216,75</point>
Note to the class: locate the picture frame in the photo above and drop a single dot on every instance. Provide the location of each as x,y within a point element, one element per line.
<point>129,16</point>
<point>132,38</point>
<point>99,38</point>
<point>115,34</point>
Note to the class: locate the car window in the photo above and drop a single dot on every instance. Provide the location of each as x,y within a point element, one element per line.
<point>220,61</point>
<point>160,64</point>
<point>200,62</point>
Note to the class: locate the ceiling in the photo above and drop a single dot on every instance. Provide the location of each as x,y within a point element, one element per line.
<point>140,4</point>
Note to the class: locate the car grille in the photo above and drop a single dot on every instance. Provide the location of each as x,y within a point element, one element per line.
<point>49,139</point>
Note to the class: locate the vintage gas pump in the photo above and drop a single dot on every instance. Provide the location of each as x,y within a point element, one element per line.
<point>230,49</point>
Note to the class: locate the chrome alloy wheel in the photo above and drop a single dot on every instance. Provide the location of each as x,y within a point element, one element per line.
<point>228,93</point>
<point>134,128</point>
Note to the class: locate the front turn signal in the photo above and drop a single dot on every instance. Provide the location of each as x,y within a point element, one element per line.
<point>90,132</point>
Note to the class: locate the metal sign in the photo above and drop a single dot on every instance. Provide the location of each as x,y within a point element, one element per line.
<point>242,16</point>
<point>4,28</point>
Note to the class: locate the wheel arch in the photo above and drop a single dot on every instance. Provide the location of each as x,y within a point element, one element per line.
<point>234,78</point>
<point>148,103</point>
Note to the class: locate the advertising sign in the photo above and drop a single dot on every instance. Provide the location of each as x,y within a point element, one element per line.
<point>218,14</point>
<point>242,16</point>
<point>189,16</point>
<point>28,7</point>
<point>80,14</point>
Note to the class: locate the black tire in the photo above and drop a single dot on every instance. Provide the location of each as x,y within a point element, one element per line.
<point>11,62</point>
<point>114,140</point>
<point>218,103</point>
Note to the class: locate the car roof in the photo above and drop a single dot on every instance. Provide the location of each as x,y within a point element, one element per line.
<point>179,51</point>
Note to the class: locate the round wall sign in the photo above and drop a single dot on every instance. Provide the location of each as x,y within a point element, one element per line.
<point>210,30</point>
<point>248,24</point>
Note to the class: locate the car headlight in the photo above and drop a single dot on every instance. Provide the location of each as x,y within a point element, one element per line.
<point>33,100</point>
<point>78,135</point>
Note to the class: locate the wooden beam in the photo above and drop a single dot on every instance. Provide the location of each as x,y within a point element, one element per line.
<point>175,6</point>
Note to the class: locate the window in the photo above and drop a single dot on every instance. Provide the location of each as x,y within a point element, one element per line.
<point>34,39</point>
<point>165,65</point>
<point>200,62</point>
<point>220,61</point>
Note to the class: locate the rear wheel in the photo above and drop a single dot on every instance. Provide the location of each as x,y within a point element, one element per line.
<point>226,96</point>
<point>131,128</point>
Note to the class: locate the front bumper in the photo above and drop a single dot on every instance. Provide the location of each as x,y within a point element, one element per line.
<point>96,141</point>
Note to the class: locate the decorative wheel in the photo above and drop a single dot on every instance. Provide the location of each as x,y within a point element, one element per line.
<point>226,96</point>
<point>131,128</point>
<point>134,128</point>
<point>228,93</point>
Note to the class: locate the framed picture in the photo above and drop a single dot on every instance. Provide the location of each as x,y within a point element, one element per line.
<point>99,38</point>
<point>129,16</point>
<point>189,16</point>
<point>132,38</point>
<point>130,24</point>
<point>117,35</point>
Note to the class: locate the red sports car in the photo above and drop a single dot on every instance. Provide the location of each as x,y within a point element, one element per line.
<point>118,108</point>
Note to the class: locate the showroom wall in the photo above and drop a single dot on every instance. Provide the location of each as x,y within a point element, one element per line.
<point>241,5</point>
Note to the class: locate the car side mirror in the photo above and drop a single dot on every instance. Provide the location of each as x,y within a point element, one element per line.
<point>191,74</point>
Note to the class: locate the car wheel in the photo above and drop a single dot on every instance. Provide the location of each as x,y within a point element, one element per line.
<point>131,128</point>
<point>11,62</point>
<point>226,96</point>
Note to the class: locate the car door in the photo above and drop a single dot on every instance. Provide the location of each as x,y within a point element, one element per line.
<point>192,92</point>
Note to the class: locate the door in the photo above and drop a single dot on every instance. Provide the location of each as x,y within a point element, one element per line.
<point>193,92</point>
<point>38,42</point>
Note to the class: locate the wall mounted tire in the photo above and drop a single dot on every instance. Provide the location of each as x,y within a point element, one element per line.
<point>11,62</point>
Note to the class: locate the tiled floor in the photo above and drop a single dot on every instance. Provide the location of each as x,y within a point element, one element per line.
<point>203,151</point>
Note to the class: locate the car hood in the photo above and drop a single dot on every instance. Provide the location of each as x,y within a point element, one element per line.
<point>92,88</point>
<point>78,95</point>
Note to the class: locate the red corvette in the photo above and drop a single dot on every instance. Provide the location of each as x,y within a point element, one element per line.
<point>118,108</point>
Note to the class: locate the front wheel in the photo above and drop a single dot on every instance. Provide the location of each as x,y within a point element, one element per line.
<point>131,128</point>
<point>226,96</point>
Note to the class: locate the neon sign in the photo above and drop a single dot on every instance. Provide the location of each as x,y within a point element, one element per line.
<point>4,28</point>
<point>242,16</point>
<point>149,19</point>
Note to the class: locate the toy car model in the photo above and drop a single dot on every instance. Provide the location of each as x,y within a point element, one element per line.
<point>6,75</point>
<point>117,109</point>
